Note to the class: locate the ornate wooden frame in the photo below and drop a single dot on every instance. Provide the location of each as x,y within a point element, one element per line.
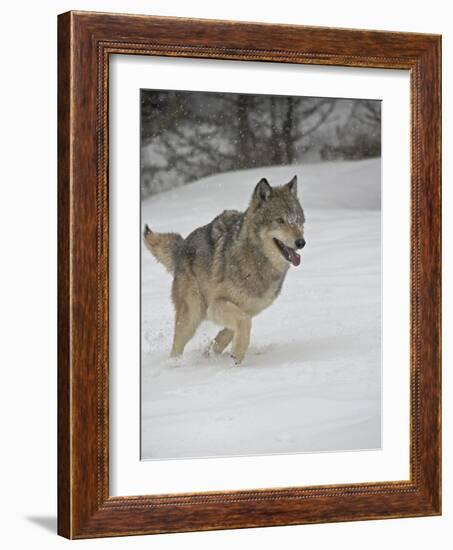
<point>85,42</point>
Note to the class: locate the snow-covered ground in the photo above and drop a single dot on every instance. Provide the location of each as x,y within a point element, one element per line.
<point>311,380</point>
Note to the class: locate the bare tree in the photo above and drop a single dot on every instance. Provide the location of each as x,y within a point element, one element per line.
<point>291,120</point>
<point>359,136</point>
<point>190,135</point>
<point>368,112</point>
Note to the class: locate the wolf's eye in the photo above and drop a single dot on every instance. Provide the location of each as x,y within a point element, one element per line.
<point>280,220</point>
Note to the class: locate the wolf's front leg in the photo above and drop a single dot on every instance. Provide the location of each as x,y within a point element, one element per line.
<point>233,318</point>
<point>241,339</point>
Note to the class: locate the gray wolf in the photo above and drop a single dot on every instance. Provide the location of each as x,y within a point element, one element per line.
<point>231,269</point>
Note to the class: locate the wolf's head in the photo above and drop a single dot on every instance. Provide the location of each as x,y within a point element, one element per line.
<point>278,220</point>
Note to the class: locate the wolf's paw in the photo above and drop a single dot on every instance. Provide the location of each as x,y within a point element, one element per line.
<point>216,348</point>
<point>213,348</point>
<point>174,361</point>
<point>237,360</point>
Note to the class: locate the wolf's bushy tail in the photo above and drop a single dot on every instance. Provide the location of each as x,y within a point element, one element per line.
<point>163,246</point>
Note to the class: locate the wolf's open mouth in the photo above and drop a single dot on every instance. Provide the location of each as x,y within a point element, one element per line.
<point>288,253</point>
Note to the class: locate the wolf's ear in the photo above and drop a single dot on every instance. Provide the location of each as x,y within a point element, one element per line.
<point>292,186</point>
<point>262,190</point>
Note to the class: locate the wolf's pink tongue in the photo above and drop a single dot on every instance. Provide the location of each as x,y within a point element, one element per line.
<point>294,257</point>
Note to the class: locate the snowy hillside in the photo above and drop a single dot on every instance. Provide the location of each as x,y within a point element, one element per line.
<point>311,378</point>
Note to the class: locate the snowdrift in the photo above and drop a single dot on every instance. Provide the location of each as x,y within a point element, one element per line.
<point>311,380</point>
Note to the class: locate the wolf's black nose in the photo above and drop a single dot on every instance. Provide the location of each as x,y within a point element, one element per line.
<point>300,243</point>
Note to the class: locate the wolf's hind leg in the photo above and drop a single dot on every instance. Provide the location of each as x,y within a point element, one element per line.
<point>230,316</point>
<point>222,340</point>
<point>189,314</point>
<point>187,321</point>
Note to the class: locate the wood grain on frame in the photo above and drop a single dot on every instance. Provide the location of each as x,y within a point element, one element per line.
<point>85,42</point>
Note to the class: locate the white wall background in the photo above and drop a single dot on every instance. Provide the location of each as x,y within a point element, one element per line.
<point>28,217</point>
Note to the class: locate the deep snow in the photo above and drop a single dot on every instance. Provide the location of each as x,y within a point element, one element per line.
<point>311,380</point>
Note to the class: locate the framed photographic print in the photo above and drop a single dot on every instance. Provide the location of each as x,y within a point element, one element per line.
<point>249,275</point>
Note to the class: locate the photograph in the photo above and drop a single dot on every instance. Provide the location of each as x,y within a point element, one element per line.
<point>260,274</point>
